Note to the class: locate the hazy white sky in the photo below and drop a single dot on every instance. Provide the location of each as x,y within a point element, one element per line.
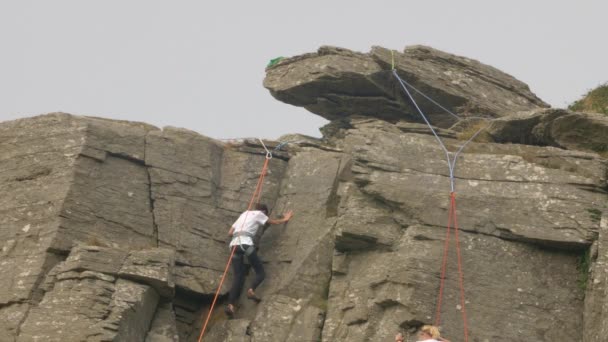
<point>200,64</point>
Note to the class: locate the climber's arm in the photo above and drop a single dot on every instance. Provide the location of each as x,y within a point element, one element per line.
<point>286,217</point>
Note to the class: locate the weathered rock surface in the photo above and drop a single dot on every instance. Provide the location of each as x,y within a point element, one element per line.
<point>85,291</point>
<point>163,328</point>
<point>91,306</point>
<point>108,193</point>
<point>336,83</point>
<point>153,267</point>
<point>235,330</point>
<point>519,281</point>
<point>117,231</point>
<point>595,262</point>
<point>554,127</point>
<point>514,185</point>
<point>392,214</point>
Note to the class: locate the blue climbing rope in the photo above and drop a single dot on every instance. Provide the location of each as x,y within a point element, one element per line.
<point>451,160</point>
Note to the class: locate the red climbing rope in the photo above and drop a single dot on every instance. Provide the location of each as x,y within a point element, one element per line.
<point>444,263</point>
<point>452,222</point>
<point>255,198</point>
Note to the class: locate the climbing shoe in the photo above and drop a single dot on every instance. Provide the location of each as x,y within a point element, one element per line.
<point>251,295</point>
<point>229,310</point>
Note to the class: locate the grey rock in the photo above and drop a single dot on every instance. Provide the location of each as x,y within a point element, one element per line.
<point>409,127</point>
<point>183,196</point>
<point>336,83</point>
<point>304,245</point>
<point>185,152</point>
<point>190,313</point>
<point>593,273</point>
<point>308,324</point>
<point>123,138</point>
<point>299,139</point>
<point>235,330</point>
<point>94,258</point>
<point>554,127</point>
<point>275,319</point>
<point>131,311</point>
<point>117,230</point>
<point>255,146</point>
<point>153,267</point>
<point>83,297</point>
<point>240,173</point>
<point>108,199</point>
<point>37,159</point>
<point>298,255</point>
<point>197,195</point>
<point>76,302</point>
<point>483,89</point>
<point>163,327</point>
<point>11,317</point>
<point>399,291</point>
<point>358,214</point>
<point>530,202</point>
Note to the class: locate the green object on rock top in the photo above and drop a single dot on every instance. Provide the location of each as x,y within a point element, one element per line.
<point>274,61</point>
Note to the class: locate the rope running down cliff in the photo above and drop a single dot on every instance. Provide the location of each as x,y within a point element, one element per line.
<point>452,217</point>
<point>255,198</point>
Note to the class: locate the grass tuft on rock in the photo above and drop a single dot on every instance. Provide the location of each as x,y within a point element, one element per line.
<point>595,101</point>
<point>584,264</point>
<point>596,214</point>
<point>471,128</point>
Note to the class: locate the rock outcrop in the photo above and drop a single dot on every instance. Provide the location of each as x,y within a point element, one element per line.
<point>117,231</point>
<point>154,198</point>
<point>337,83</point>
<point>554,127</point>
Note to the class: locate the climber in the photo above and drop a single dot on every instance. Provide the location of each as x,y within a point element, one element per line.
<point>427,333</point>
<point>243,230</point>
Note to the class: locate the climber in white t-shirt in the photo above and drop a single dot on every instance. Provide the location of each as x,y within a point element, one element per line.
<point>243,231</point>
<point>427,333</point>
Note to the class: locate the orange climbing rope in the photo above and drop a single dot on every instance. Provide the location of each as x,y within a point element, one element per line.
<point>452,219</point>
<point>452,222</point>
<point>444,265</point>
<point>255,198</point>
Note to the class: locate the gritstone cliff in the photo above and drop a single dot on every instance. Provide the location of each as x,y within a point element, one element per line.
<point>116,231</point>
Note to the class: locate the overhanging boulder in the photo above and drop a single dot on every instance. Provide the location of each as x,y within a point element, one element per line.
<point>336,83</point>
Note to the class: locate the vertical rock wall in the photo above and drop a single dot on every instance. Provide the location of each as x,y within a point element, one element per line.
<point>116,231</point>
<point>37,159</point>
<point>73,182</point>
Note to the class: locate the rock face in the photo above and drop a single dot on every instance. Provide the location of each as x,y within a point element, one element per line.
<point>554,127</point>
<point>117,231</point>
<point>517,217</point>
<point>102,216</point>
<point>337,83</point>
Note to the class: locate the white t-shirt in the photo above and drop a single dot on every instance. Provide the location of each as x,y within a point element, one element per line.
<point>430,340</point>
<point>249,222</point>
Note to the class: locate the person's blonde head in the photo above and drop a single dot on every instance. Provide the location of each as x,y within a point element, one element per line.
<point>431,330</point>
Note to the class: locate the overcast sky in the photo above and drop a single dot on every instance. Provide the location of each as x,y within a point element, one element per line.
<point>200,64</point>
